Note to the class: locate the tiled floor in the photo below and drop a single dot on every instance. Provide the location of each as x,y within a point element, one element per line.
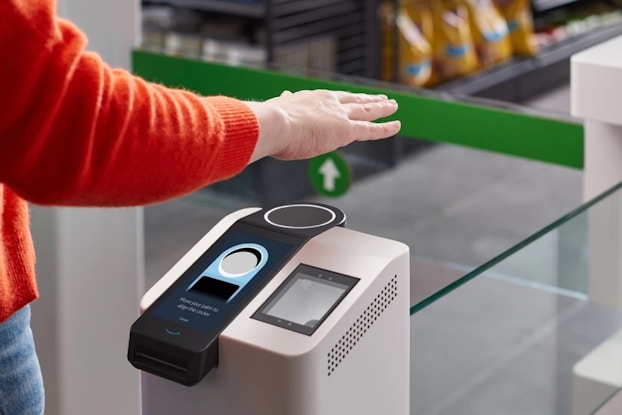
<point>457,208</point>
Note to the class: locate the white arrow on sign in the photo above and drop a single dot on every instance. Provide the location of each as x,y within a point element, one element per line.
<point>331,174</point>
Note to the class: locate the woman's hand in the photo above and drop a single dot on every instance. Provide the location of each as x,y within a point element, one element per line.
<point>306,124</point>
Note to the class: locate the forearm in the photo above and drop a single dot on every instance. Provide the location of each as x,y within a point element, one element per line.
<point>75,132</point>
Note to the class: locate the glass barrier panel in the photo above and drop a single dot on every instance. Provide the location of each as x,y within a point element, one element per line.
<point>526,334</point>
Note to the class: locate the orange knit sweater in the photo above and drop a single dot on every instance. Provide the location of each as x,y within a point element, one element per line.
<point>75,132</point>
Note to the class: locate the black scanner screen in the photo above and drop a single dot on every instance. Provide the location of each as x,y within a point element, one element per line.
<point>215,288</point>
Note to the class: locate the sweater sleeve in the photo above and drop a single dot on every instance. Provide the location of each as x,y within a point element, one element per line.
<point>74,131</point>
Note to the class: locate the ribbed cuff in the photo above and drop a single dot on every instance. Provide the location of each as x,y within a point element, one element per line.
<point>241,129</point>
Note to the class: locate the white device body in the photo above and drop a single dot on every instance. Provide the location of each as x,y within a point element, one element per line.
<point>356,362</point>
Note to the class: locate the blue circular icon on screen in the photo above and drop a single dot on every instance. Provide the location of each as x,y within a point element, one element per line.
<point>240,260</point>
<point>231,271</point>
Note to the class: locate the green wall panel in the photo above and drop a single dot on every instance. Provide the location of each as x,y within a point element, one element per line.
<point>423,117</point>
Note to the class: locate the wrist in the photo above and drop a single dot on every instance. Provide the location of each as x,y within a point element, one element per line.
<point>272,129</point>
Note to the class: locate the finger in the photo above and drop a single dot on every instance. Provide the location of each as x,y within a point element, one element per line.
<point>349,97</point>
<point>374,131</point>
<point>371,111</point>
<point>286,93</point>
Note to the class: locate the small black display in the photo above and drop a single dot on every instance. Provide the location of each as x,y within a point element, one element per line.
<point>215,288</point>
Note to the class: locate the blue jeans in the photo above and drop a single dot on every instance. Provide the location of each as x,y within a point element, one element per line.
<point>21,384</point>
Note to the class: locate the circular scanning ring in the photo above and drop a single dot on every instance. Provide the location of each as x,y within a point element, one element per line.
<point>316,225</point>
<point>240,262</point>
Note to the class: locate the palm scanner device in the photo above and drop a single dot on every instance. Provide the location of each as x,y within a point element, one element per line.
<point>279,311</point>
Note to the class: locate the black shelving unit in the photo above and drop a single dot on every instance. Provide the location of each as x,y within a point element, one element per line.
<point>545,5</point>
<point>347,26</point>
<point>255,9</point>
<point>353,28</point>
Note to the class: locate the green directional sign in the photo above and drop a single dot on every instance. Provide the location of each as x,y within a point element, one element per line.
<point>330,174</point>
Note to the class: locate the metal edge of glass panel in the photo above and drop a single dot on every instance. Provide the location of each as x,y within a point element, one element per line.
<point>516,248</point>
<point>605,405</point>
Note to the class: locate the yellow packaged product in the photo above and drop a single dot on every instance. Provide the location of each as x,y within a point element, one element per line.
<point>518,15</point>
<point>454,54</point>
<point>415,51</point>
<point>490,33</point>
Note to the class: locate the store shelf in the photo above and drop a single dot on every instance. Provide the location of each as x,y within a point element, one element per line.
<point>324,35</point>
<point>544,5</point>
<point>292,7</point>
<point>243,8</point>
<point>522,79</point>
<point>247,8</point>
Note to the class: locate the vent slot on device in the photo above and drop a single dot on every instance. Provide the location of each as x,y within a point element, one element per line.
<point>361,325</point>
